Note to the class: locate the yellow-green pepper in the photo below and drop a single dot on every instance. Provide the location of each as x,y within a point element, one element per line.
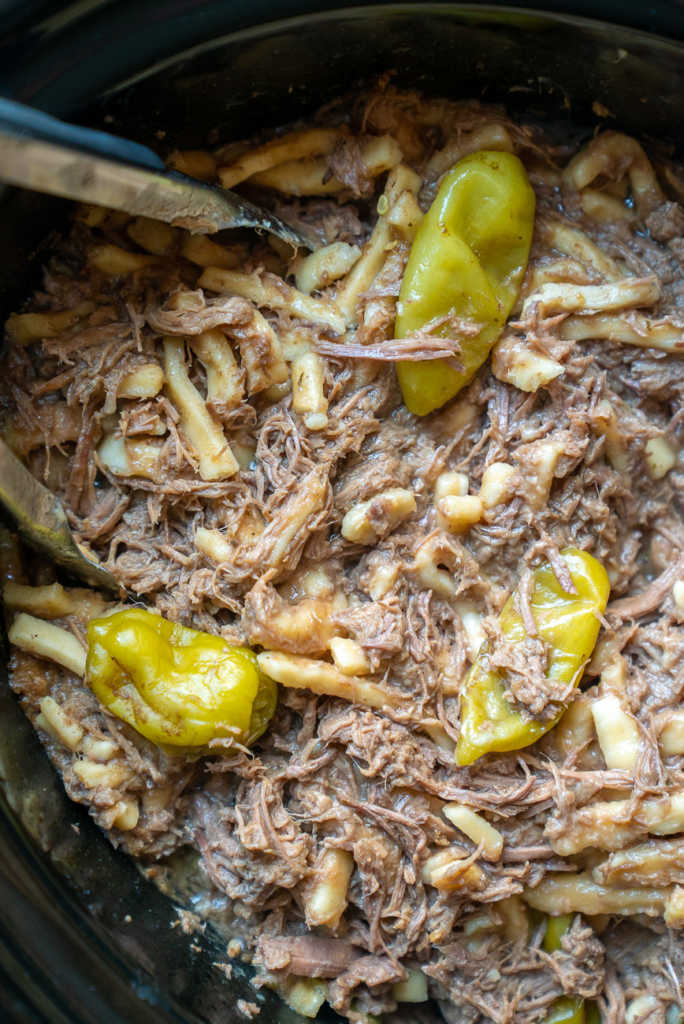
<point>568,623</point>
<point>556,927</point>
<point>565,1009</point>
<point>467,260</point>
<point>178,687</point>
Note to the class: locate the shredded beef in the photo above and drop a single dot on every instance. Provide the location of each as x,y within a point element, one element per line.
<point>308,956</point>
<point>414,607</point>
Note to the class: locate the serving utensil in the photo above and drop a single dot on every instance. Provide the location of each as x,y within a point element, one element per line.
<point>40,152</point>
<point>42,521</point>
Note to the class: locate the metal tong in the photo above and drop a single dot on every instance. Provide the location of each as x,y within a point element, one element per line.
<point>41,153</point>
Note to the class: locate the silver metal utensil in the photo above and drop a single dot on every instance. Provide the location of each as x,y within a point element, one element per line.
<point>39,152</point>
<point>42,521</point>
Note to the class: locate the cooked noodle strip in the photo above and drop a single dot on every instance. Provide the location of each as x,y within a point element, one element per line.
<point>580,894</point>
<point>311,177</point>
<point>323,678</point>
<point>612,155</point>
<point>633,329</point>
<point>216,460</point>
<point>400,181</point>
<point>285,148</point>
<point>568,298</point>
<point>270,291</point>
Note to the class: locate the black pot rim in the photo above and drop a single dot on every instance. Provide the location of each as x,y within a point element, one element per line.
<point>470,11</point>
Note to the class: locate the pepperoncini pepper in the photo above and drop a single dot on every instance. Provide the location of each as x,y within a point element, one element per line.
<point>556,927</point>
<point>569,625</point>
<point>178,687</point>
<point>467,260</point>
<point>565,1009</point>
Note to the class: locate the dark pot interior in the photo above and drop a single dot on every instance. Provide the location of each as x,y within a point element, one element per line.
<point>83,938</point>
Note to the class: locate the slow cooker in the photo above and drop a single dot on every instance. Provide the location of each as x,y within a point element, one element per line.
<point>84,938</point>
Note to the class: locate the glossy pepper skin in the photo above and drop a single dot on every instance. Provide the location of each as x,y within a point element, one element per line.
<point>176,686</point>
<point>565,1009</point>
<point>468,258</point>
<point>556,928</point>
<point>568,623</point>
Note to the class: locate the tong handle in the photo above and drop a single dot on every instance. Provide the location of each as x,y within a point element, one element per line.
<point>26,122</point>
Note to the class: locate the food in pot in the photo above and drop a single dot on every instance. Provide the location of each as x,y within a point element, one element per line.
<point>559,626</point>
<point>400,672</point>
<point>176,686</point>
<point>467,261</point>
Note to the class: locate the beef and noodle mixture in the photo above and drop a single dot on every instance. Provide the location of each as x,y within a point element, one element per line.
<point>396,676</point>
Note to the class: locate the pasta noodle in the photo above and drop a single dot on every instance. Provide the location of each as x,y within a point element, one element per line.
<point>476,828</point>
<point>400,181</point>
<point>325,265</point>
<point>292,146</point>
<point>45,640</point>
<point>635,330</point>
<point>264,291</point>
<point>224,377</point>
<point>580,894</point>
<point>327,897</point>
<point>308,397</point>
<point>610,154</point>
<point>323,678</point>
<point>50,601</point>
<point>216,460</point>
<point>310,177</point>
